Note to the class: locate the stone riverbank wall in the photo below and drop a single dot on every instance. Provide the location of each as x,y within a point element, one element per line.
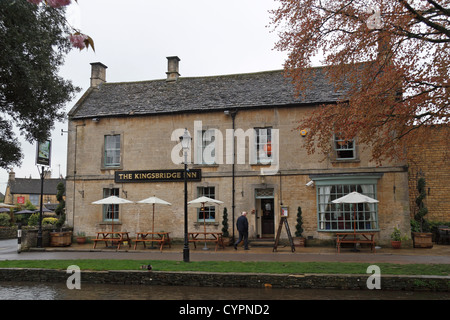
<point>250,280</point>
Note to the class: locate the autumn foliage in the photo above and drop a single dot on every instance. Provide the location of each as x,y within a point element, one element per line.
<point>392,57</point>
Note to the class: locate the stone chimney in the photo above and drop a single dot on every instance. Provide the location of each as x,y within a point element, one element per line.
<point>384,52</point>
<point>12,176</point>
<point>172,70</point>
<point>47,174</point>
<point>98,74</point>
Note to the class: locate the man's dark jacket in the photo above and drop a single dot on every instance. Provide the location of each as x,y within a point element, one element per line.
<point>242,224</point>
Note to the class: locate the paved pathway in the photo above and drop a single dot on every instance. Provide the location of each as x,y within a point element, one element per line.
<point>437,254</point>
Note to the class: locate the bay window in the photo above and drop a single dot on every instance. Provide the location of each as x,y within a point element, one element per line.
<point>345,216</point>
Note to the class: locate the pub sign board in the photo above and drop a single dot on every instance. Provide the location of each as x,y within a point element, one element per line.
<point>157,176</point>
<point>43,152</point>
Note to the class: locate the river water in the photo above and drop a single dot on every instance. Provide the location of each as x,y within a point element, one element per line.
<point>59,291</point>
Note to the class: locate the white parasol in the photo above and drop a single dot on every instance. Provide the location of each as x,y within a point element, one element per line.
<point>112,200</point>
<point>354,197</point>
<point>154,200</point>
<point>203,202</point>
<point>4,205</point>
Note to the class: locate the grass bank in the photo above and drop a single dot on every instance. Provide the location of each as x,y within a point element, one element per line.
<point>235,266</point>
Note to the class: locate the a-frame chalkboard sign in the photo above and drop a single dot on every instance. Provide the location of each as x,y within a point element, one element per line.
<point>288,231</point>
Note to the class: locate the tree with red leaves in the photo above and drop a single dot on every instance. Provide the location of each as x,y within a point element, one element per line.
<point>392,57</point>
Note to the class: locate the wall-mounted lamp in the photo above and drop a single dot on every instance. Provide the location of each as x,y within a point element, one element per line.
<point>96,120</point>
<point>310,184</point>
<point>125,193</point>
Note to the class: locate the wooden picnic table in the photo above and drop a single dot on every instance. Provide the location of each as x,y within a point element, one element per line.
<point>355,237</point>
<point>215,237</point>
<point>115,237</point>
<point>162,239</point>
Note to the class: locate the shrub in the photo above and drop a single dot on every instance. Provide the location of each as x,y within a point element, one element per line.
<point>34,219</point>
<point>299,225</point>
<point>61,209</point>
<point>422,209</point>
<point>49,221</point>
<point>5,220</point>
<point>225,223</point>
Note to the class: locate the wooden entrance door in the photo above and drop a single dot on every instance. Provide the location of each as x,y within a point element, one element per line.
<point>267,218</point>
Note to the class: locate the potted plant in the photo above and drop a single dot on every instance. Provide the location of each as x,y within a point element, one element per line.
<point>81,238</point>
<point>61,238</point>
<point>299,241</point>
<point>396,238</point>
<point>421,239</point>
<point>225,235</point>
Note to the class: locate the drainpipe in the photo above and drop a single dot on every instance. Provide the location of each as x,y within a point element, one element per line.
<point>74,168</point>
<point>233,113</point>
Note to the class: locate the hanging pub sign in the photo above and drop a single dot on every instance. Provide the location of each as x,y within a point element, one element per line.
<point>43,152</point>
<point>157,176</point>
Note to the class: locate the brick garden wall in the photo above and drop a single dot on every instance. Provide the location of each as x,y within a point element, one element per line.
<point>432,163</point>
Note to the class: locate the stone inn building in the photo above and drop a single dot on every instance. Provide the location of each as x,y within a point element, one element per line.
<point>124,140</point>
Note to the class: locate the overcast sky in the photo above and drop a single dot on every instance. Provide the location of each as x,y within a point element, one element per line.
<point>134,37</point>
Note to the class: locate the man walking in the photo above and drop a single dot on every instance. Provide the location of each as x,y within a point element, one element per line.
<point>242,227</point>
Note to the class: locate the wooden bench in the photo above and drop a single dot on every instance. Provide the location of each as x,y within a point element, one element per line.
<point>105,237</point>
<point>163,238</point>
<point>215,237</point>
<point>355,237</point>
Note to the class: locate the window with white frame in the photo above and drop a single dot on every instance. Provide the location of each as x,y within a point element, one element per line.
<point>209,213</point>
<point>206,147</point>
<point>110,211</point>
<point>263,141</point>
<point>112,151</point>
<point>345,149</point>
<point>34,199</point>
<point>346,216</point>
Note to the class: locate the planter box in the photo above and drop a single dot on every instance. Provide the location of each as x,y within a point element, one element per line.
<point>299,241</point>
<point>396,244</point>
<point>60,239</point>
<point>81,240</point>
<point>226,241</point>
<point>423,239</point>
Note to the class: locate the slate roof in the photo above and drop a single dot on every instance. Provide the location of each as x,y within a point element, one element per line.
<point>33,186</point>
<point>200,94</point>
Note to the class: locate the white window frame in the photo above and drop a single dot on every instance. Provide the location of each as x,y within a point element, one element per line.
<point>113,148</point>
<point>342,146</point>
<point>208,210</point>
<point>263,135</point>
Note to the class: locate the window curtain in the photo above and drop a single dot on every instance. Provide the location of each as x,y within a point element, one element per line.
<point>368,190</point>
<point>324,198</point>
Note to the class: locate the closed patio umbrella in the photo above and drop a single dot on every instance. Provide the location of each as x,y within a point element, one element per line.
<point>112,200</point>
<point>203,202</point>
<point>154,200</point>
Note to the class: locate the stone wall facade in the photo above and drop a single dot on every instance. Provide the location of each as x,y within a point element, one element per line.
<point>150,143</point>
